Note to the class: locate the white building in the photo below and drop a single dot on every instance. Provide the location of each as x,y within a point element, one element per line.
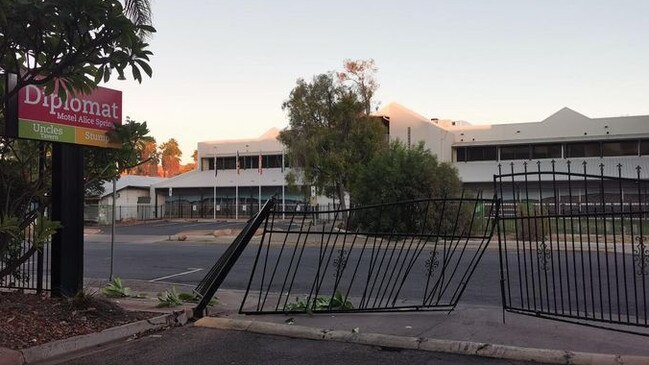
<point>132,199</point>
<point>475,150</point>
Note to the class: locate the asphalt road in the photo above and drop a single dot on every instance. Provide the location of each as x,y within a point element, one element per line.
<point>167,227</point>
<point>196,346</point>
<point>140,255</point>
<point>185,263</point>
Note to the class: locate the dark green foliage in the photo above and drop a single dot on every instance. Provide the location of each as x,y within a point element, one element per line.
<point>116,289</point>
<point>70,46</point>
<point>532,228</point>
<point>169,298</point>
<point>399,174</point>
<point>338,302</point>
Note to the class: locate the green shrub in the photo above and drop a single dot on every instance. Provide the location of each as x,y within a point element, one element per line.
<point>116,289</point>
<point>320,303</point>
<point>169,298</point>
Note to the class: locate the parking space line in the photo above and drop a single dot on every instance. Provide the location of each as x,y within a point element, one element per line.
<point>190,271</point>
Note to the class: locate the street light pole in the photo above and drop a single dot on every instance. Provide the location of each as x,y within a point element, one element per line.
<point>112,230</point>
<point>260,170</point>
<point>215,174</point>
<point>283,182</point>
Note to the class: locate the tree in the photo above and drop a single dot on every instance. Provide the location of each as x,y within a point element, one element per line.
<point>150,154</point>
<point>101,164</point>
<point>398,174</point>
<point>68,47</point>
<point>360,73</point>
<point>191,165</point>
<point>330,134</point>
<point>170,154</point>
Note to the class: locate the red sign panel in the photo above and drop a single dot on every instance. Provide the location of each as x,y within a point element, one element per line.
<point>80,119</point>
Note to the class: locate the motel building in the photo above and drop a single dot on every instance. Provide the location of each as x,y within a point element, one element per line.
<point>618,145</point>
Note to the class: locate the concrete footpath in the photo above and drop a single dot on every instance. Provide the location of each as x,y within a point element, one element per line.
<point>470,329</point>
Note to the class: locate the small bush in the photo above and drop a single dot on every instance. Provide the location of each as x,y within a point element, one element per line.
<point>116,289</point>
<point>84,299</point>
<point>169,298</point>
<point>320,303</point>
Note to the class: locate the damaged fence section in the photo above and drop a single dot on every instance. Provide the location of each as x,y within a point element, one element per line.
<point>412,255</point>
<point>574,243</point>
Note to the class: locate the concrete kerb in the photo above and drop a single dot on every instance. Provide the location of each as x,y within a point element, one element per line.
<point>424,344</point>
<point>78,343</point>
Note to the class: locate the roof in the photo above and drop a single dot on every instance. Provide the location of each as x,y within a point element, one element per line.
<point>131,181</point>
<point>396,110</point>
<point>225,178</point>
<point>563,125</point>
<point>270,134</point>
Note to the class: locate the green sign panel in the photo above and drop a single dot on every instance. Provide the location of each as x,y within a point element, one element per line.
<point>46,131</point>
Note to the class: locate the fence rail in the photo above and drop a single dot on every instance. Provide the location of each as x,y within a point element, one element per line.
<point>585,261</point>
<point>31,274</point>
<point>102,214</point>
<point>412,255</point>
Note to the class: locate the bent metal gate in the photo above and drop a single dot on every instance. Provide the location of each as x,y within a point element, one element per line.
<point>573,245</point>
<point>412,255</point>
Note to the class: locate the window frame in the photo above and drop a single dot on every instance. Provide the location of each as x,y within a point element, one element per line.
<point>527,146</point>
<point>620,142</point>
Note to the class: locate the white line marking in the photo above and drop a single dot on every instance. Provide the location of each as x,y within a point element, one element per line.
<point>191,270</point>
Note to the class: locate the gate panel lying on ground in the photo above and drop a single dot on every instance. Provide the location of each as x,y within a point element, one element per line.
<point>403,256</point>
<point>574,246</point>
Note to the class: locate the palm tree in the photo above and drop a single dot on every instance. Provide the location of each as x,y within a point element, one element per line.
<point>139,11</point>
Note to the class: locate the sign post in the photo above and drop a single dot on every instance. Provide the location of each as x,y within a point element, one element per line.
<point>68,123</point>
<point>67,208</point>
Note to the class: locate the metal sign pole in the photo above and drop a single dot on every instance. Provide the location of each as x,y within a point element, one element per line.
<point>67,207</point>
<point>215,175</point>
<point>112,230</point>
<point>283,183</point>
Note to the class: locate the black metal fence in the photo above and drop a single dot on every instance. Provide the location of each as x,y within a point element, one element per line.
<point>228,210</point>
<point>32,274</point>
<point>574,245</point>
<point>411,255</point>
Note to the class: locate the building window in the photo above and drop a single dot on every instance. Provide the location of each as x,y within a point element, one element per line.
<point>207,164</point>
<point>272,161</point>
<point>516,152</point>
<point>246,162</point>
<point>226,163</point>
<point>644,147</point>
<point>249,162</point>
<point>460,154</point>
<point>540,151</point>
<point>620,148</point>
<point>586,149</point>
<point>483,153</point>
<point>477,153</point>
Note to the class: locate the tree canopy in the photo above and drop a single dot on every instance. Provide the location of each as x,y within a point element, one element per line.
<point>331,134</point>
<point>170,155</point>
<point>399,174</point>
<point>70,46</point>
<point>150,154</point>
